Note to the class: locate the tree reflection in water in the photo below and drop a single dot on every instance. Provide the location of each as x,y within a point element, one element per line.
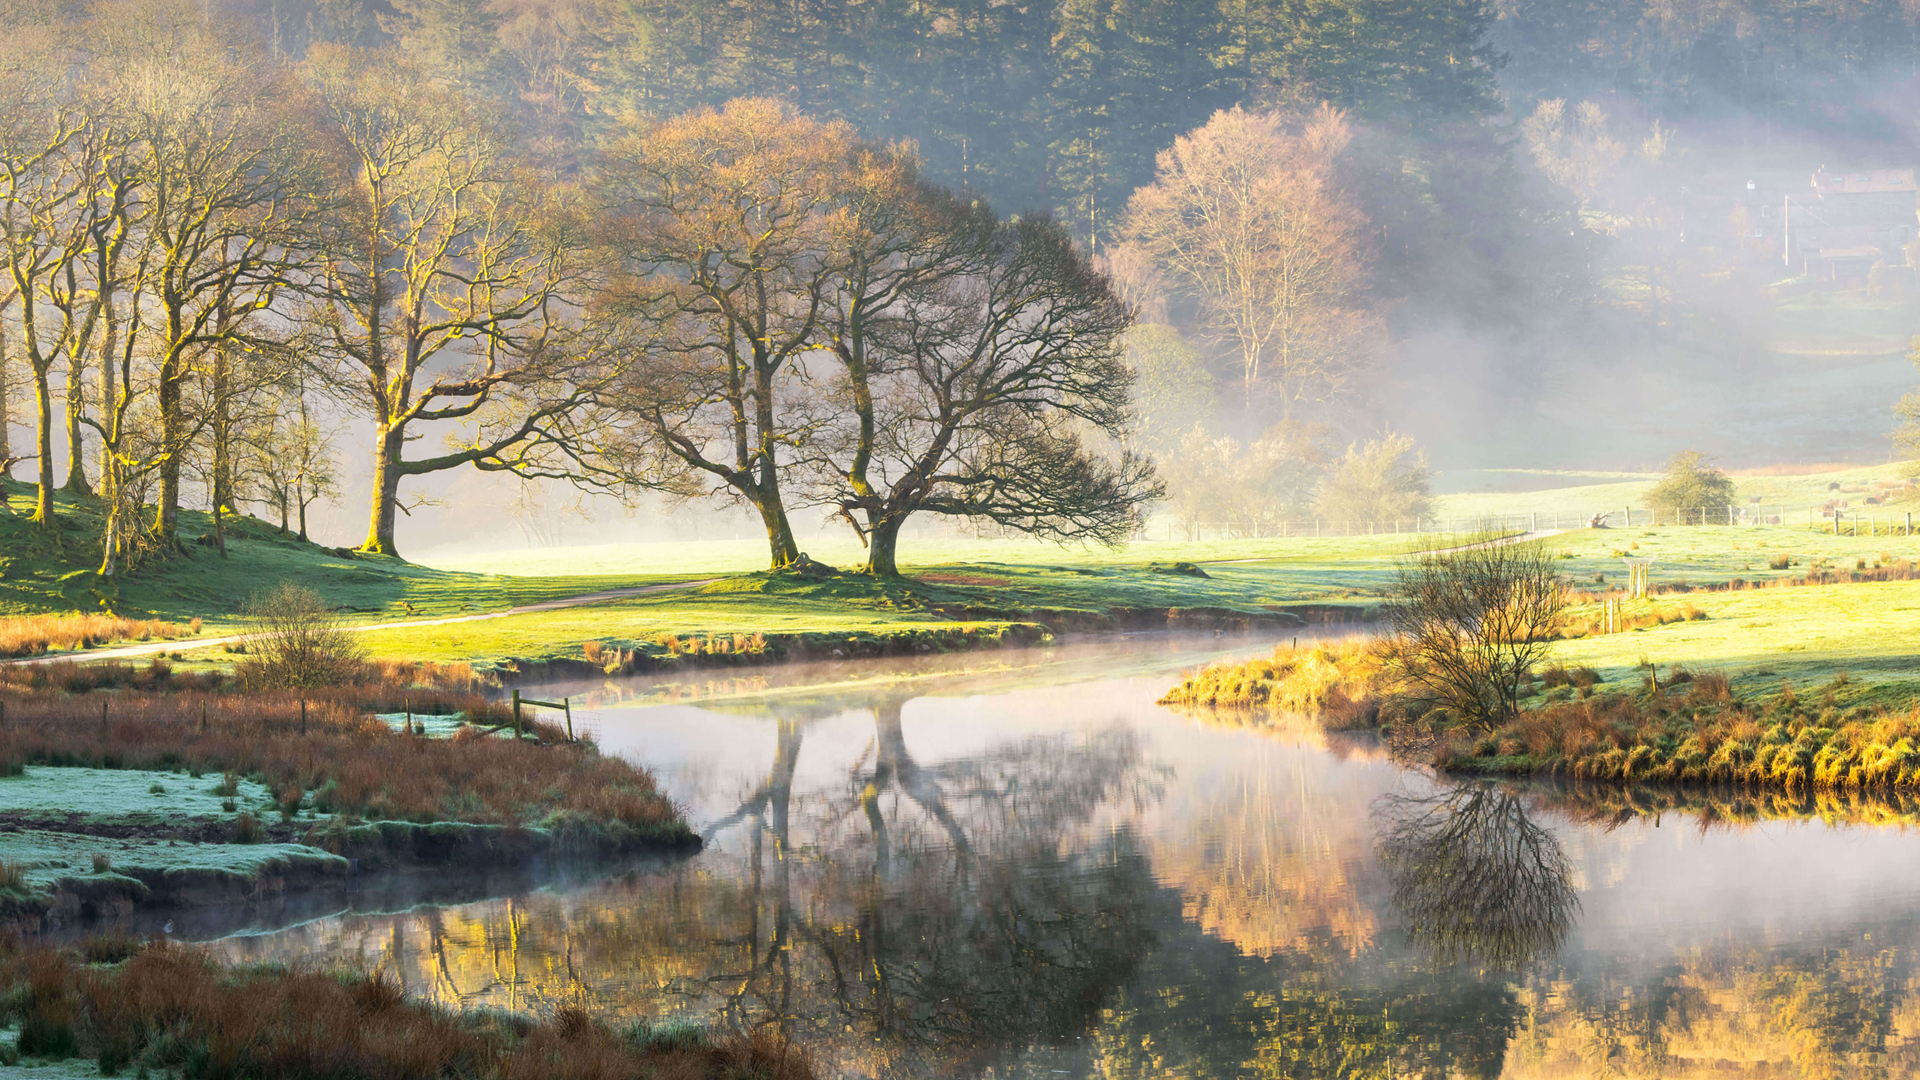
<point>931,917</point>
<point>1474,877</point>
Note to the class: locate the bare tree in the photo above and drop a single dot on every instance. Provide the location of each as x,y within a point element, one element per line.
<point>445,296</point>
<point>231,186</point>
<point>39,189</point>
<point>288,457</point>
<point>7,298</point>
<point>1470,623</point>
<point>1245,218</point>
<point>720,228</point>
<point>974,355</point>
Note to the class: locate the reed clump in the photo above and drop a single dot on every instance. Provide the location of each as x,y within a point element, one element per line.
<point>176,1011</point>
<point>35,635</point>
<point>328,741</point>
<point>1689,728</point>
<point>1343,682</point>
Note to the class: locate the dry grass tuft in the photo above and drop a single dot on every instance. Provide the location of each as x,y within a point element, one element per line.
<point>34,635</point>
<point>1690,729</point>
<point>1339,681</point>
<point>174,1010</point>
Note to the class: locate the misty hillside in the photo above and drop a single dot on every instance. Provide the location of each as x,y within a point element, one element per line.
<point>1536,233</point>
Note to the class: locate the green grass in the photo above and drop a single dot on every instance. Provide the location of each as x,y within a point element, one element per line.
<point>710,557</point>
<point>955,597</point>
<point>54,572</point>
<point>1762,637</point>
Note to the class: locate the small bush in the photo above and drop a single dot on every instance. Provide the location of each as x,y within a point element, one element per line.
<point>102,862</point>
<point>299,644</point>
<point>156,788</point>
<point>1779,562</point>
<point>246,830</point>
<point>47,1031</point>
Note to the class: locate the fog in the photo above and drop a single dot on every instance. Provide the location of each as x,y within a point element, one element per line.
<point>1567,235</point>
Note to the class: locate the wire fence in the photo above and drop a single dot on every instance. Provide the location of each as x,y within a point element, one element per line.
<point>1838,520</point>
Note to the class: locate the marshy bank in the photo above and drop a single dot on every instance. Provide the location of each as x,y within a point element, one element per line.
<point>1679,727</point>
<point>128,788</point>
<point>149,1007</point>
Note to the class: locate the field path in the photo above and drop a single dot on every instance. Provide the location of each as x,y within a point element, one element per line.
<point>124,652</point>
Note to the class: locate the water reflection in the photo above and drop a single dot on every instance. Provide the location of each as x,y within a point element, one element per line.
<point>1475,877</point>
<point>1040,877</point>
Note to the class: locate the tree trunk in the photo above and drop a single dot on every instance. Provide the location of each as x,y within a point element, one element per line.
<point>883,538</point>
<point>76,444</point>
<point>780,543</point>
<point>107,390</point>
<point>166,510</point>
<point>300,498</point>
<point>222,485</point>
<point>388,442</point>
<point>6,392</point>
<point>43,445</point>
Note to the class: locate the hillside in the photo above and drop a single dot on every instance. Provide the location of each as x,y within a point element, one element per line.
<point>57,571</point>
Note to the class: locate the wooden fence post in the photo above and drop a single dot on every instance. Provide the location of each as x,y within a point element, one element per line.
<point>303,716</point>
<point>516,714</point>
<point>567,704</point>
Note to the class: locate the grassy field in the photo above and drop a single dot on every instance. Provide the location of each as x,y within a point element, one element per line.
<point>52,573</point>
<point>1576,503</point>
<point>954,597</point>
<point>1762,637</point>
<point>957,584</point>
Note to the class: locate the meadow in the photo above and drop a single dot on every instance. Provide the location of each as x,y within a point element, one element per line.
<point>959,592</point>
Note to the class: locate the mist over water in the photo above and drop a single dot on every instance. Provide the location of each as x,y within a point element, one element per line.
<point>1033,869</point>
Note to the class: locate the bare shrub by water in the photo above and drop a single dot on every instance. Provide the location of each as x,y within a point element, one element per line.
<point>298,643</point>
<point>1470,625</point>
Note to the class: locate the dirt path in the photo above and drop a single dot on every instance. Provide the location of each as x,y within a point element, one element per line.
<point>125,652</point>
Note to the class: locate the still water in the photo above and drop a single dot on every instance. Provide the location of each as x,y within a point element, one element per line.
<point>1018,865</point>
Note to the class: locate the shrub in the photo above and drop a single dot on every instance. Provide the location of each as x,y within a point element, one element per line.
<point>102,862</point>
<point>298,643</point>
<point>246,830</point>
<point>1470,624</point>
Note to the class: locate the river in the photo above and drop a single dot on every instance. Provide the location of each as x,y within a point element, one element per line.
<point>1018,865</point>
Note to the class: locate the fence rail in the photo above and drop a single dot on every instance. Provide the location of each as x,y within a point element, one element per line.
<point>1842,521</point>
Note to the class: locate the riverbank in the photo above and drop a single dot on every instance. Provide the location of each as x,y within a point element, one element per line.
<point>1620,721</point>
<point>144,800</point>
<point>114,1005</point>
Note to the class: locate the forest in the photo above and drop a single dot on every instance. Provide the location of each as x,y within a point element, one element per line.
<point>1051,267</point>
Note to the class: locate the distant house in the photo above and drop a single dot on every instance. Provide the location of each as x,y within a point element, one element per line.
<point>1851,223</point>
